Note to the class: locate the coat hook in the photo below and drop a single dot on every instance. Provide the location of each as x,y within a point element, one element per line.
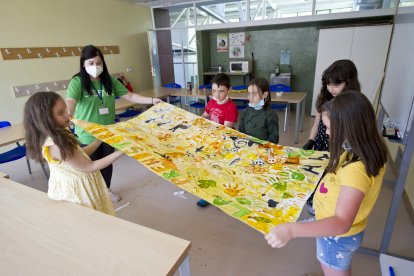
<point>28,51</point>
<point>55,84</point>
<point>19,56</point>
<point>64,50</point>
<point>37,86</point>
<point>73,54</point>
<point>16,89</point>
<point>39,55</point>
<point>57,54</point>
<point>79,49</point>
<point>48,50</point>
<point>7,51</point>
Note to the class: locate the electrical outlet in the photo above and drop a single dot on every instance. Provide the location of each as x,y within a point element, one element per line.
<point>130,69</point>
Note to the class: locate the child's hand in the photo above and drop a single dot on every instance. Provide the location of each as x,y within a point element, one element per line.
<point>156,101</point>
<point>279,236</point>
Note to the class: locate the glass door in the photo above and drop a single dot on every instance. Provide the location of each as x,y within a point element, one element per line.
<point>155,62</point>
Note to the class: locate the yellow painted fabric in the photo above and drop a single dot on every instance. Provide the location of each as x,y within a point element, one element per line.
<point>260,183</point>
<point>69,184</point>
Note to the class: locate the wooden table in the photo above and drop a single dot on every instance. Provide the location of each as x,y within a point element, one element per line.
<point>11,134</point>
<point>39,236</point>
<point>297,98</point>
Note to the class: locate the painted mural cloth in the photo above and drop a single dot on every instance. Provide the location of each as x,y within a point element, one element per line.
<point>260,183</point>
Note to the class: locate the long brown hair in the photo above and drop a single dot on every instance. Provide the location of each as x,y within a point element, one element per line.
<point>263,86</point>
<point>353,121</point>
<point>343,70</point>
<point>39,124</point>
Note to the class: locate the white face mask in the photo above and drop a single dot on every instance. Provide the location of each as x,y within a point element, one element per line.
<point>221,102</point>
<point>94,71</point>
<point>259,105</point>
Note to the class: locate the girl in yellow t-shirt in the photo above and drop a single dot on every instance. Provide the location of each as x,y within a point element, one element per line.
<point>347,193</point>
<point>73,176</point>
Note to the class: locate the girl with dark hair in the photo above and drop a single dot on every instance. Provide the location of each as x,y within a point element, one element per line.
<point>259,119</point>
<point>91,97</point>
<point>74,176</point>
<point>350,188</point>
<point>340,76</point>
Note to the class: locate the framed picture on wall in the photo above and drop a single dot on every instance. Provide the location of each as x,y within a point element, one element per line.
<point>236,41</point>
<point>222,44</point>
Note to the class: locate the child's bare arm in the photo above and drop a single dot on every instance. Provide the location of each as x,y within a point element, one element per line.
<point>91,148</point>
<point>314,129</point>
<point>205,115</point>
<point>229,124</point>
<point>347,206</point>
<point>81,163</point>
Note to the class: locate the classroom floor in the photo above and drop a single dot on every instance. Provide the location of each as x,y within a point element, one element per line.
<point>222,245</point>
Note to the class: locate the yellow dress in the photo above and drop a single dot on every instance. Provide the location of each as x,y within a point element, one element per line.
<point>69,184</point>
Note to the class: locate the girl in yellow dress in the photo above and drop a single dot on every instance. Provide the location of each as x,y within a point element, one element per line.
<point>73,176</point>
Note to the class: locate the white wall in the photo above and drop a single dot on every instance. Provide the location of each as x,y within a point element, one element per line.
<point>41,23</point>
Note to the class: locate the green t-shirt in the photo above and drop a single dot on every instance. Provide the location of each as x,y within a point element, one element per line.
<point>87,107</point>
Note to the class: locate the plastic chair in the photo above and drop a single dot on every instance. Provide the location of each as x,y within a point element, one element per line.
<point>16,153</point>
<point>197,105</point>
<point>241,104</point>
<point>286,107</point>
<point>174,99</point>
<point>130,112</point>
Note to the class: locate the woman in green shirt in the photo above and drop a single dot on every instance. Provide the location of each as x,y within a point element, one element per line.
<point>91,97</point>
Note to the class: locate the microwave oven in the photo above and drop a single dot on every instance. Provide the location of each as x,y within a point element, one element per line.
<point>240,66</point>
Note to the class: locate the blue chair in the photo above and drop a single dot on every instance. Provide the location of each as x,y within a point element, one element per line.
<point>174,99</point>
<point>16,153</point>
<point>241,104</point>
<point>197,105</point>
<point>286,107</point>
<point>205,86</point>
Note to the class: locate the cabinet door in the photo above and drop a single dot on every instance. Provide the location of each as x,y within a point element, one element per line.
<point>369,53</point>
<point>333,44</point>
<point>366,46</point>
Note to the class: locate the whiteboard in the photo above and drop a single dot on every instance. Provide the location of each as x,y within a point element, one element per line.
<point>398,89</point>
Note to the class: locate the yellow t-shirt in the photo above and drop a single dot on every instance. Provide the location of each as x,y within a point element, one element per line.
<point>352,175</point>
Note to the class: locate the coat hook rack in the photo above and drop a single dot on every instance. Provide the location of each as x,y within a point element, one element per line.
<point>47,52</point>
<point>27,90</point>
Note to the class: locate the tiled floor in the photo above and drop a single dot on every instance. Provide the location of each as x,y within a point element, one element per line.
<point>222,245</point>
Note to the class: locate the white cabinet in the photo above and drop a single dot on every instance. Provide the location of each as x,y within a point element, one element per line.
<point>366,46</point>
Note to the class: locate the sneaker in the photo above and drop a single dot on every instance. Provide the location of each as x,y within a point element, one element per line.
<point>202,203</point>
<point>114,197</point>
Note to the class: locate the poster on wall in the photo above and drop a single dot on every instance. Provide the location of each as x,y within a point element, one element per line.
<point>236,42</point>
<point>236,51</point>
<point>222,44</point>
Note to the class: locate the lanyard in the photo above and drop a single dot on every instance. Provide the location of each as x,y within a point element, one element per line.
<point>99,92</point>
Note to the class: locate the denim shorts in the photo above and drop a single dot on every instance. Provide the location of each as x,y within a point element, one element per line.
<point>336,252</point>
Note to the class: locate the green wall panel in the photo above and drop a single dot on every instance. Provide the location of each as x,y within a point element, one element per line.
<point>266,46</point>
